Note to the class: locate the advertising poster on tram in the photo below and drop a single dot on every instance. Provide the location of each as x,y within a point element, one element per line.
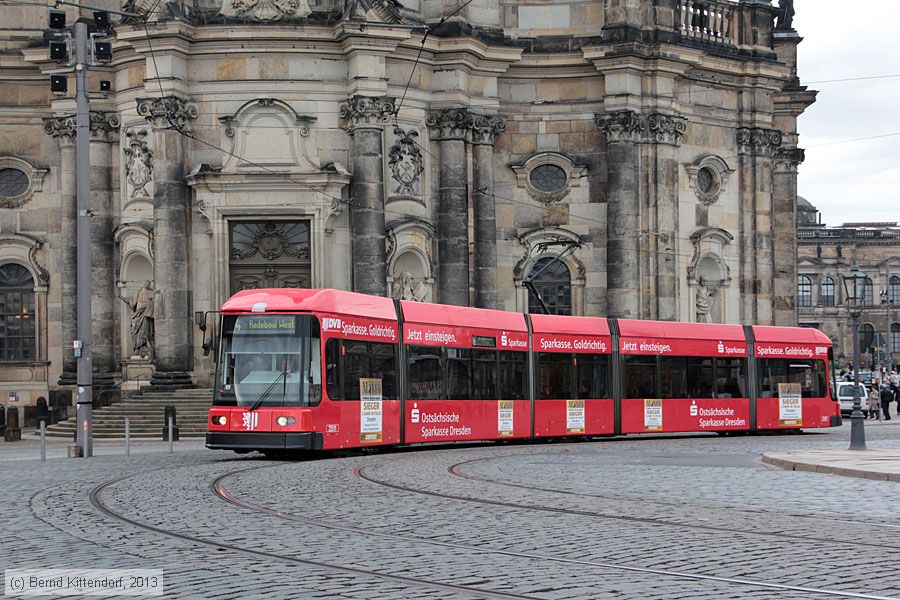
<point>504,418</point>
<point>574,416</point>
<point>790,405</point>
<point>653,415</point>
<point>370,410</point>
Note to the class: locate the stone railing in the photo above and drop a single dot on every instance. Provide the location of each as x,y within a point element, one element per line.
<point>710,21</point>
<point>838,232</point>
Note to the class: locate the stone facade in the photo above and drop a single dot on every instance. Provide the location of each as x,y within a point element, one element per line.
<point>325,143</point>
<point>826,254</point>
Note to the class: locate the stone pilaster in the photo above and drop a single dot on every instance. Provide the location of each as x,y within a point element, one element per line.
<point>104,127</point>
<point>756,148</point>
<point>451,128</point>
<point>664,136</point>
<point>484,132</point>
<point>63,129</point>
<point>624,131</point>
<point>784,230</point>
<point>171,240</point>
<point>366,117</point>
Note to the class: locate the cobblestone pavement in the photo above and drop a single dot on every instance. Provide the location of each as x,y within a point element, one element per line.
<point>662,517</point>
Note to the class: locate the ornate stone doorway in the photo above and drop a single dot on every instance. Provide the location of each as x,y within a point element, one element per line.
<point>269,254</point>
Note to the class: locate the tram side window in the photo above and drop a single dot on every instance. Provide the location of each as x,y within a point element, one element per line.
<point>347,361</point>
<point>592,371</point>
<point>700,377</point>
<point>640,377</point>
<point>554,375</point>
<point>511,376</point>
<point>673,377</point>
<point>731,378</point>
<point>810,374</point>
<point>459,374</point>
<point>425,378</point>
<point>484,374</point>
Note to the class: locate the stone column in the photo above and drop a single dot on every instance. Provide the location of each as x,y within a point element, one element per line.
<point>756,147</point>
<point>665,133</point>
<point>485,130</point>
<point>451,128</point>
<point>104,127</point>
<point>784,205</point>
<point>63,129</point>
<point>624,130</point>
<point>365,123</point>
<point>171,239</point>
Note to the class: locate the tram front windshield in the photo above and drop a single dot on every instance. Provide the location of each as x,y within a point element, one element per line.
<point>269,360</point>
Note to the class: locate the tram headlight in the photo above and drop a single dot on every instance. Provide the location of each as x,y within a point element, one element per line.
<point>220,420</point>
<point>285,421</point>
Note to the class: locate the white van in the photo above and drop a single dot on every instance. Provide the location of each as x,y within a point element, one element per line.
<point>845,397</point>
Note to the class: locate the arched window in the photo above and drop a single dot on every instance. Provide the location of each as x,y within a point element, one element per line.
<point>866,337</point>
<point>895,338</point>
<point>894,293</point>
<point>868,297</point>
<point>17,328</point>
<point>804,291</point>
<point>554,284</point>
<point>828,291</point>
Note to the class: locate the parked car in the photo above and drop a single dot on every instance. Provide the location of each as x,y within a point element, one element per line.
<point>845,397</point>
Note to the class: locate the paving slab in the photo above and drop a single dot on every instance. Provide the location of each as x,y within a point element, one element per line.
<point>882,465</point>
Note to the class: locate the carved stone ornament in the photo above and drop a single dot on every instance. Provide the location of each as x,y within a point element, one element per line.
<point>405,161</point>
<point>366,111</point>
<point>103,125</point>
<point>622,125</point>
<point>758,141</point>
<point>449,124</point>
<point>271,241</point>
<point>168,112</point>
<point>486,128</point>
<point>265,10</point>
<point>788,159</point>
<point>138,165</point>
<point>708,177</point>
<point>666,129</point>
<point>61,128</point>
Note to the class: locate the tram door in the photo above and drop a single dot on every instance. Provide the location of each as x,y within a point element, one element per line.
<point>266,254</point>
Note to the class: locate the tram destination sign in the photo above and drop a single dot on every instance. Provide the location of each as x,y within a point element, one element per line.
<point>275,325</point>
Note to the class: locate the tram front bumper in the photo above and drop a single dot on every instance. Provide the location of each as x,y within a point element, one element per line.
<point>237,440</point>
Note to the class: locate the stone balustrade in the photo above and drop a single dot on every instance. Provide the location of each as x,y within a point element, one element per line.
<point>709,21</point>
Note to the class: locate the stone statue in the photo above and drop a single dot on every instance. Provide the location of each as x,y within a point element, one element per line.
<point>785,15</point>
<point>703,302</point>
<point>142,333</point>
<point>408,289</point>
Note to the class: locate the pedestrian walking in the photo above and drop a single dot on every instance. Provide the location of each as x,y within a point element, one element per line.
<point>875,401</point>
<point>886,397</point>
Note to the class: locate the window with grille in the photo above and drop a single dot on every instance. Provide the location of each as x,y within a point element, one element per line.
<point>554,284</point>
<point>804,291</point>
<point>828,291</point>
<point>17,319</point>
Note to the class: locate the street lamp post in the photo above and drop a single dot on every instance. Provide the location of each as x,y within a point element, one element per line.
<point>854,286</point>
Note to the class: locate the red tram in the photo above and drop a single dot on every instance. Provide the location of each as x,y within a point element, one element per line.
<point>325,369</point>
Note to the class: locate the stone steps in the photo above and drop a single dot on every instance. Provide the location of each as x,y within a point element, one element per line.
<point>146,413</point>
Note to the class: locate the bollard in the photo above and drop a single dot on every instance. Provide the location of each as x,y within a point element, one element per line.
<point>127,436</point>
<point>171,425</point>
<point>170,431</point>
<point>43,441</point>
<point>41,410</point>
<point>13,433</point>
<point>2,422</point>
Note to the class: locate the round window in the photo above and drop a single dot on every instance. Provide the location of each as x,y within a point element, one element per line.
<point>707,181</point>
<point>547,178</point>
<point>13,183</point>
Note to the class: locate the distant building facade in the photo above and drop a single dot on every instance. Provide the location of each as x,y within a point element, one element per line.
<point>826,254</point>
<point>268,144</point>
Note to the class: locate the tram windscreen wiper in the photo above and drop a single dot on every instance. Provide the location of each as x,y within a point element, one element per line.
<point>265,394</point>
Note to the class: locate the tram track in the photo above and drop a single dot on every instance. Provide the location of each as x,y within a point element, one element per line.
<point>94,497</point>
<point>455,470</point>
<point>218,488</point>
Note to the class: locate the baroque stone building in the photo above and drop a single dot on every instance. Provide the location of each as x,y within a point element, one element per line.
<point>652,144</point>
<point>826,254</point>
